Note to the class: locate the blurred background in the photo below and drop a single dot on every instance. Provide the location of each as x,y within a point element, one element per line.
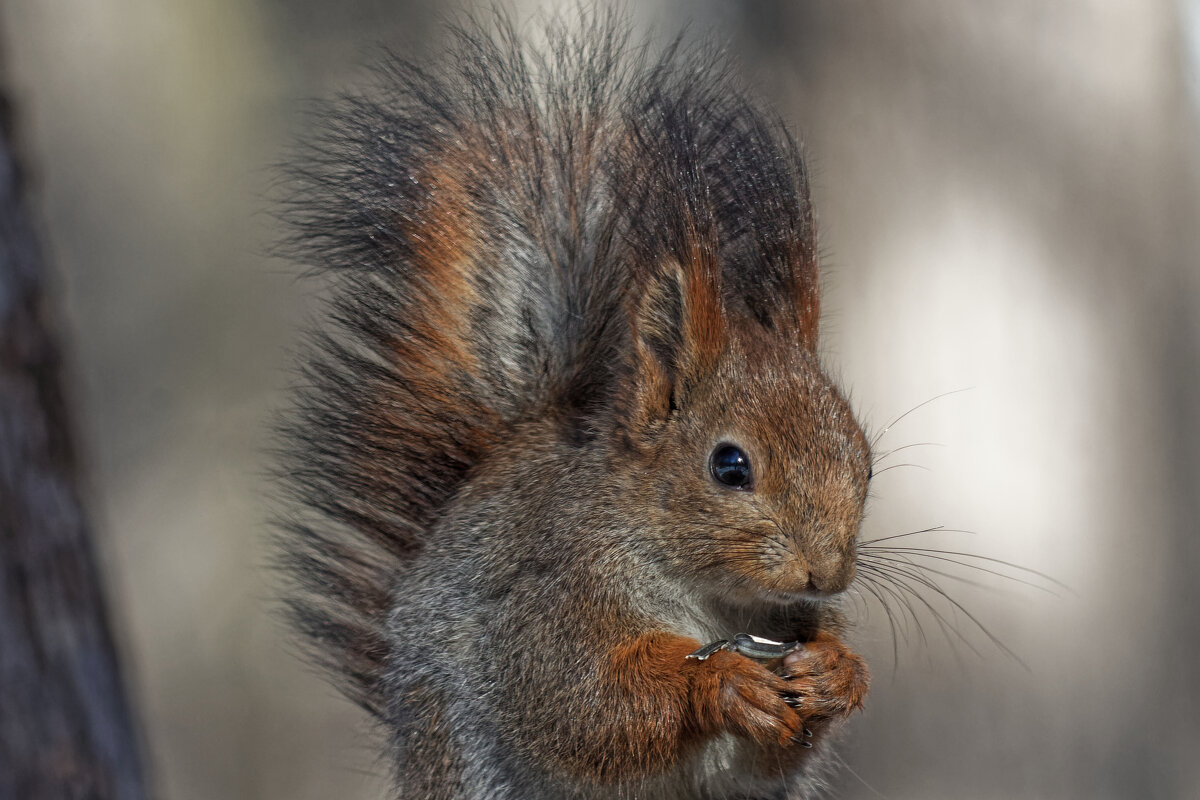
<point>1009,197</point>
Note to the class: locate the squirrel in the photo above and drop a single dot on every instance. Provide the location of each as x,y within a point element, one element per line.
<point>567,423</point>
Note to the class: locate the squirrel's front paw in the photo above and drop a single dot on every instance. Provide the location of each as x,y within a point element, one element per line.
<point>831,680</point>
<point>733,693</point>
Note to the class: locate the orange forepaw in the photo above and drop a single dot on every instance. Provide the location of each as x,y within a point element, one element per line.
<point>733,693</point>
<point>832,680</point>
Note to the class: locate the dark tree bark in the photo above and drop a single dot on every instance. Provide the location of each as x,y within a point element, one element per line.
<point>65,727</point>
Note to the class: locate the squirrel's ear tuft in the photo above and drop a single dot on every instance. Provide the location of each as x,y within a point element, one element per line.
<point>678,327</point>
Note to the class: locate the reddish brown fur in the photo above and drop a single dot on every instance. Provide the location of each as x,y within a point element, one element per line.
<point>673,704</point>
<point>704,328</point>
<point>444,243</point>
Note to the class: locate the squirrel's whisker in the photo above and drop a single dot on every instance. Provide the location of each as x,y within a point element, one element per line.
<point>869,583</point>
<point>932,585</point>
<point>886,583</point>
<point>951,632</point>
<point>880,434</point>
<point>878,457</point>
<point>879,472</point>
<point>906,558</point>
<point>943,555</point>
<point>934,529</point>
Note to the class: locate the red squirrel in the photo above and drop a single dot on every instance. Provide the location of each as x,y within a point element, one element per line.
<point>566,425</point>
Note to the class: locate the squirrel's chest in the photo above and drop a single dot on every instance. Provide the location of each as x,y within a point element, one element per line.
<point>687,616</point>
<point>723,769</point>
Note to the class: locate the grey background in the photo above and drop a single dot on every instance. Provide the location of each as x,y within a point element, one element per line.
<point>1008,195</point>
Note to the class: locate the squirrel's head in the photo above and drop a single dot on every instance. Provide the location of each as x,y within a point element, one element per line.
<point>750,459</point>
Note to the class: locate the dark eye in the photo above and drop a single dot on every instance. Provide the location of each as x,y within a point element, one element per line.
<point>870,472</point>
<point>730,467</point>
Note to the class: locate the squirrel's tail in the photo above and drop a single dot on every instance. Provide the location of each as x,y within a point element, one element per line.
<point>458,215</point>
<point>476,224</point>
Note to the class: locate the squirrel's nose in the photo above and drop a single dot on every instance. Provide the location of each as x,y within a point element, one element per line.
<point>831,575</point>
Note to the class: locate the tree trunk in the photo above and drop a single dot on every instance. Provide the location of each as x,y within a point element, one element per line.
<point>65,727</point>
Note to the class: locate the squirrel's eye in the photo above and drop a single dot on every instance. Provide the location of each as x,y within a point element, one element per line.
<point>870,472</point>
<point>730,467</point>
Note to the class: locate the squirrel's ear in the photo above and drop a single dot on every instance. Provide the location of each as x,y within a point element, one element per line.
<point>678,333</point>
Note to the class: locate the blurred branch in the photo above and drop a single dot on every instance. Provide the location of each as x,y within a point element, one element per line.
<point>65,727</point>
